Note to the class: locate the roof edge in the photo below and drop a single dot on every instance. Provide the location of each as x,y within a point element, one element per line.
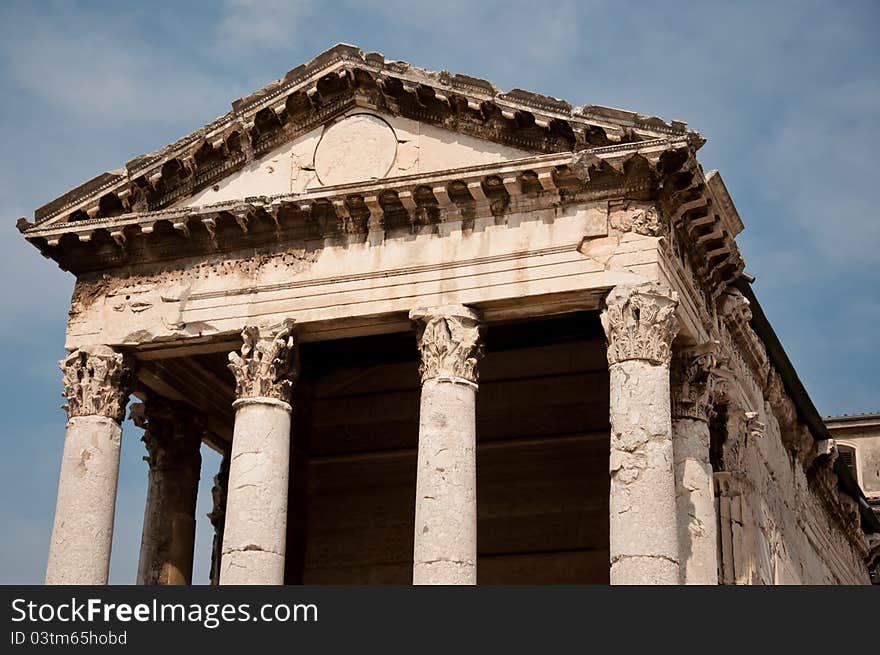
<point>806,410</point>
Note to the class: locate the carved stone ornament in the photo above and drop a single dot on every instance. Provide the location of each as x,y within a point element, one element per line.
<point>639,322</point>
<point>753,427</point>
<point>96,384</point>
<point>266,367</point>
<point>734,307</point>
<point>450,339</point>
<point>172,432</point>
<point>695,381</point>
<point>640,218</point>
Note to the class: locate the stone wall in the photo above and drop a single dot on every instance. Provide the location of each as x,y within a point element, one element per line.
<point>782,517</point>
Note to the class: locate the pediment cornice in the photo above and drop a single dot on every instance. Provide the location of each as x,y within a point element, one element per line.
<point>332,83</point>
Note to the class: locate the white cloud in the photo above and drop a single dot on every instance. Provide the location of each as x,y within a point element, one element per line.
<point>261,23</point>
<point>821,162</point>
<point>100,71</point>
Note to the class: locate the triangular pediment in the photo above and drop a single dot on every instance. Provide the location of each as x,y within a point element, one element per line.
<point>272,138</point>
<point>357,146</point>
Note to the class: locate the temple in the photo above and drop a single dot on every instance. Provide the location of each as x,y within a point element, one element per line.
<point>440,334</point>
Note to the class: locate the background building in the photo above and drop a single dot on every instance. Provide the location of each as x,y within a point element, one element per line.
<point>858,445</point>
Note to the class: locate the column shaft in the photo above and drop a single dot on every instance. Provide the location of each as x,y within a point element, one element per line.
<point>173,437</point>
<point>254,536</point>
<point>694,373</point>
<point>643,526</point>
<point>698,529</point>
<point>79,552</point>
<point>445,549</point>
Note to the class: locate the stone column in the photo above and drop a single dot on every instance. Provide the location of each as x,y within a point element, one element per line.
<point>173,437</point>
<point>445,548</point>
<point>693,383</point>
<point>218,516</point>
<point>254,535</point>
<point>640,324</point>
<point>96,385</point>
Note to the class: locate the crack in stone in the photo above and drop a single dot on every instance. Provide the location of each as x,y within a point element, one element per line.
<point>618,558</point>
<point>251,548</point>
<point>448,561</point>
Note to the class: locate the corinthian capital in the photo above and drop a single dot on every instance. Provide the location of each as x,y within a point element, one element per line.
<point>639,322</point>
<point>450,339</point>
<point>96,383</point>
<point>172,432</point>
<point>694,379</point>
<point>267,365</point>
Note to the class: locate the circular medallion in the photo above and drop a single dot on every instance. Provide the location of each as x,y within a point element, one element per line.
<point>359,148</point>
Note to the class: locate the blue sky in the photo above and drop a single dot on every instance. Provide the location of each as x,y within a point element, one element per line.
<point>787,93</point>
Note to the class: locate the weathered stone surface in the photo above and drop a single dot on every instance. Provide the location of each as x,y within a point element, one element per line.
<point>694,374</point>
<point>450,342</point>
<point>359,147</point>
<point>96,383</point>
<point>79,551</point>
<point>266,368</point>
<point>695,495</point>
<point>255,529</point>
<point>173,438</point>
<point>643,508</point>
<point>640,324</point>
<point>694,378</point>
<point>445,550</point>
<point>446,486</point>
<point>254,535</point>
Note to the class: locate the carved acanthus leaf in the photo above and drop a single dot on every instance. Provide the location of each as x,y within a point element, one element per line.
<point>96,384</point>
<point>695,381</point>
<point>266,367</point>
<point>640,323</point>
<point>450,339</point>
